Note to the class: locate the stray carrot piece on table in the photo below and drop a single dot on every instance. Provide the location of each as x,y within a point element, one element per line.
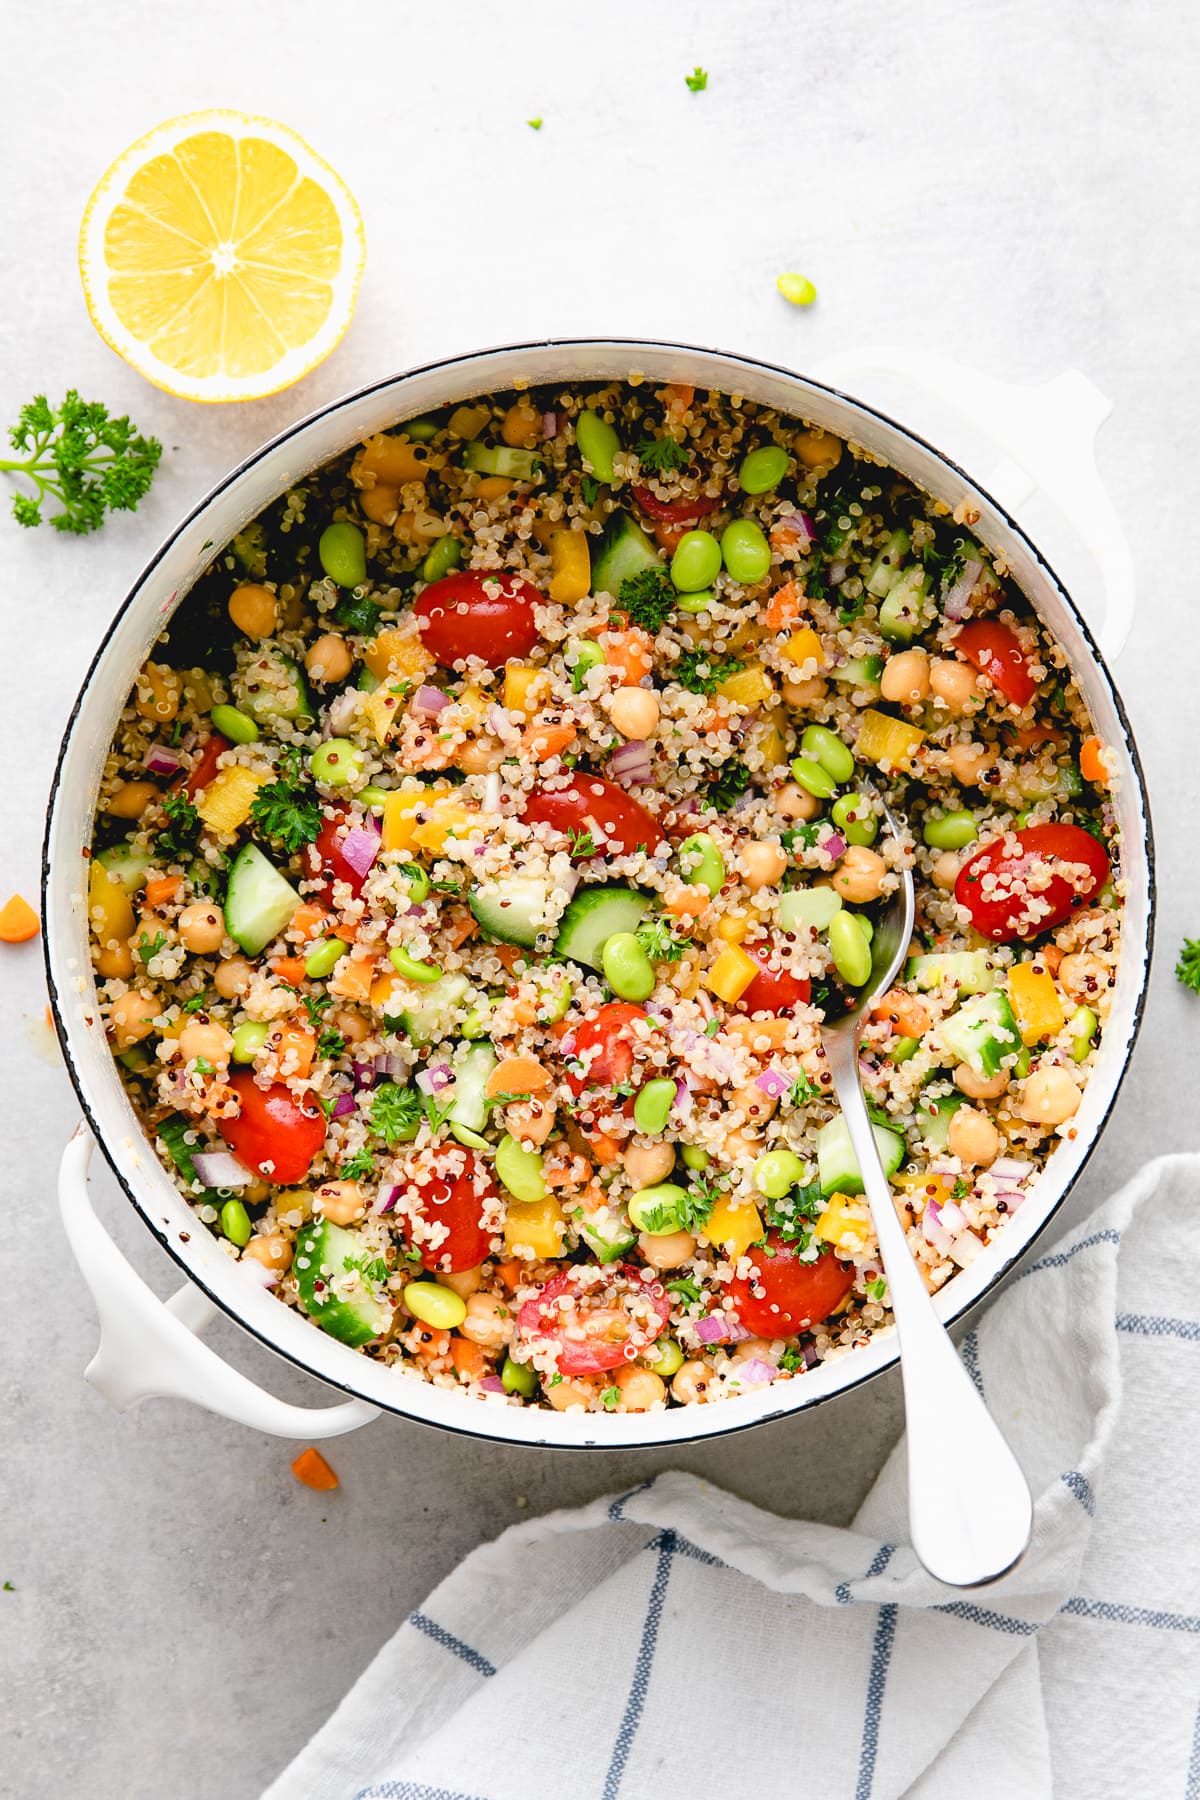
<point>311,1468</point>
<point>18,921</point>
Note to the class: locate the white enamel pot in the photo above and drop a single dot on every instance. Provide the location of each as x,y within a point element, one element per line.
<point>148,1348</point>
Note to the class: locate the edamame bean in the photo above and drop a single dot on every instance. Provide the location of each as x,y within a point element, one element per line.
<point>829,751</point>
<point>952,831</point>
<point>324,958</point>
<point>410,968</point>
<point>440,559</point>
<point>776,1173</point>
<point>903,1048</point>
<point>336,762</point>
<point>854,819</point>
<point>701,863</point>
<point>652,1108</point>
<point>237,726</point>
<point>814,778</point>
<point>583,657</point>
<point>598,444</point>
<point>696,562</point>
<point>667,1359</point>
<point>435,1305</point>
<point>248,1039</point>
<point>1084,1025</point>
<point>342,549</point>
<point>745,551</point>
<point>372,796</point>
<point>864,925</point>
<point>477,1023</point>
<point>420,430</point>
<point>519,1378</point>
<point>235,1223</point>
<point>695,1158</point>
<point>849,948</point>
<point>416,880</point>
<point>659,1211</point>
<point>627,969</point>
<point>700,602</point>
<point>1023,817</point>
<point>763,469</point>
<point>520,1170</point>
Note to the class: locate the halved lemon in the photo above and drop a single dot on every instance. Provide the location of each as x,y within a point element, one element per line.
<point>221,257</point>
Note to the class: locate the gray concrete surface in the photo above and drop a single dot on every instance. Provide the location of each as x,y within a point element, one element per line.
<point>1013,184</point>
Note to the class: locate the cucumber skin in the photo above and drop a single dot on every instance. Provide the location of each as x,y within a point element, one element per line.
<point>970,968</point>
<point>353,1322</point>
<point>251,869</point>
<point>624,550</point>
<point>935,1126</point>
<point>434,1020</point>
<point>837,1164</point>
<point>629,909</point>
<point>487,904</point>
<point>982,1032</point>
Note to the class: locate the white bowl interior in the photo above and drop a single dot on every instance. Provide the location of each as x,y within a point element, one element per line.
<point>183,558</point>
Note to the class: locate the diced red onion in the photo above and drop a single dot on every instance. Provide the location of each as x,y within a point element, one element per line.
<point>773,1082</point>
<point>492,1384</point>
<point>953,1218</point>
<point>1011,1168</point>
<point>631,765</point>
<point>1012,1198</point>
<point>965,1249</point>
<point>550,425</point>
<point>935,1233</point>
<point>833,845</point>
<point>162,759</point>
<point>360,847</point>
<point>339,714</point>
<point>719,1328</point>
<point>491,792</point>
<point>391,1066</point>
<point>428,702</point>
<point>756,1373</point>
<point>801,522</point>
<point>343,1106</point>
<point>385,1200</point>
<point>685,1100</point>
<point>743,801</point>
<point>959,597</point>
<point>220,1168</point>
<point>435,1079</point>
<point>501,726</point>
<point>365,1074</point>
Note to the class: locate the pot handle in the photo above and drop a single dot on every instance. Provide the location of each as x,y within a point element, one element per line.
<point>149,1348</point>
<point>1046,433</point>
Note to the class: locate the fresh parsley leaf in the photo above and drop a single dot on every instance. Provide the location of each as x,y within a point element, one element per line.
<point>79,456</point>
<point>315,1005</point>
<point>507,1099</point>
<point>801,1091</point>
<point>661,940</point>
<point>288,811</point>
<point>685,1290</point>
<point>554,1379</point>
<point>697,81</point>
<point>961,1189</point>
<point>358,1166</point>
<point>700,671</point>
<point>330,1044</point>
<point>178,839</point>
<point>712,1028</point>
<point>396,1113</point>
<point>371,1268</point>
<point>148,948</point>
<point>1187,969</point>
<point>589,489</point>
<point>877,1289</point>
<point>649,599</point>
<point>610,1398</point>
<point>204,1066</point>
<point>804,834</point>
<point>196,1004</point>
<point>663,455</point>
<point>793,1216</point>
<point>792,1361</point>
<point>437,1113</point>
<point>357,613</point>
<point>728,786</point>
<point>582,843</point>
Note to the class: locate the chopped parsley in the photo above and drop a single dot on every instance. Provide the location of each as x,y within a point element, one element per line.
<point>288,811</point>
<point>649,599</point>
<point>801,1092</point>
<point>507,1099</point>
<point>701,672</point>
<point>330,1044</point>
<point>196,1004</point>
<point>792,1361</point>
<point>535,124</point>
<point>148,948</point>
<point>582,843</point>
<point>793,1216</point>
<point>589,489</point>
<point>183,828</point>
<point>727,786</point>
<point>356,613</point>
<point>554,1379</point>
<point>697,81</point>
<point>373,1269</point>
<point>712,1028</point>
<point>610,1398</point>
<point>663,454</point>
<point>877,1289</point>
<point>661,940</point>
<point>685,1289</point>
<point>436,1113</point>
<point>358,1166</point>
<point>961,1189</point>
<point>804,834</point>
<point>1187,969</point>
<point>395,1113</point>
<point>315,1005</point>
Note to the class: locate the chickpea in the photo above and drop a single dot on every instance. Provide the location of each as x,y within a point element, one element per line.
<point>763,863</point>
<point>571,1391</point>
<point>816,450</point>
<point>973,1138</point>
<point>271,1249</point>
<point>465,1283</point>
<point>530,1121</point>
<point>291,611</point>
<point>341,1202</point>
<point>802,694</point>
<point>905,679</point>
<point>1050,1096</point>
<point>489,1322</point>
<point>945,871</point>
<point>202,927</point>
<point>980,1087</point>
<point>634,712</point>
<point>859,876</point>
<point>329,659</point>
<point>968,763</point>
<point>1083,976</point>
<point>752,1350</point>
<point>380,504</point>
<point>130,800</point>
<point>646,1164</point>
<point>740,1146</point>
<point>254,610</point>
<point>953,683</point>
<point>156,694</point>
<point>641,1389</point>
<point>755,1106</point>
<point>232,977</point>
<point>133,1016</point>
<point>521,426</point>
<point>207,1042</point>
<point>480,756</point>
<point>669,1251</point>
<point>352,1026</point>
<point>795,802</point>
<point>114,962</point>
<point>691,1383</point>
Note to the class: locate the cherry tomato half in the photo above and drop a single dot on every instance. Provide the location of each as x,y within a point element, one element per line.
<point>1031,874</point>
<point>783,1295</point>
<point>324,857</point>
<point>457,1202</point>
<point>676,512</point>
<point>605,1044</point>
<point>619,1316</point>
<point>205,765</point>
<point>478,612</point>
<point>773,990</point>
<point>996,652</point>
<point>275,1134</point>
<point>588,801</point>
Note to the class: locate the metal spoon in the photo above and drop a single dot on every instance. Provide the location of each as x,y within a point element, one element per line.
<point>970,1509</point>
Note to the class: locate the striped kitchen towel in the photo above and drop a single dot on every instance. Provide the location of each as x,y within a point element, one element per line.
<point>674,1643</point>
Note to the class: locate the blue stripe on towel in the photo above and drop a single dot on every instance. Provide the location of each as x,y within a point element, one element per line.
<point>994,1621</point>
<point>1129,1615</point>
<point>635,1704</point>
<point>616,1510</point>
<point>448,1641</point>
<point>1081,1487</point>
<point>1057,1258</point>
<point>881,1654</point>
<point>1153,1325</point>
<point>970,1357</point>
<point>409,1790</point>
<point>843,1593</point>
<point>1192,1789</point>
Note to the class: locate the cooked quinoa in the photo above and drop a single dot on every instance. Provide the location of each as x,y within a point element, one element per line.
<point>493,828</point>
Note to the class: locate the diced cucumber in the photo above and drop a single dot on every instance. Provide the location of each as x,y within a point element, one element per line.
<point>887,564</point>
<point>366,683</point>
<point>900,615</point>
<point>472,1064</point>
<point>175,1133</point>
<point>126,865</point>
<point>982,1033</point>
<point>278,693</point>
<point>970,970</point>
<point>258,902</point>
<point>513,909</point>
<point>608,1233</point>
<point>815,906</point>
<point>837,1164</point>
<point>501,459</point>
<point>325,1253</point>
<point>438,1011</point>
<point>595,915</point>
<point>623,550</point>
<point>860,672</point>
<point>934,1115</point>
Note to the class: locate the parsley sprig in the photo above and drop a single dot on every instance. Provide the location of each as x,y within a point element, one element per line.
<point>701,672</point>
<point>178,839</point>
<point>663,455</point>
<point>662,940</point>
<point>649,599</point>
<point>396,1113</point>
<point>288,810</point>
<point>727,786</point>
<point>76,454</point>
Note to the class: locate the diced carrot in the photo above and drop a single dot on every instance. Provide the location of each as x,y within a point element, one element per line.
<point>469,1361</point>
<point>543,741</point>
<point>308,921</point>
<point>18,921</point>
<point>688,903</point>
<point>783,607</point>
<point>566,1171</point>
<point>289,969</point>
<point>509,1272</point>
<point>296,1048</point>
<point>1092,764</point>
<point>667,532</point>
<point>311,1468</point>
<point>430,1344</point>
<point>787,538</point>
<point>678,396</point>
<point>605,1149</point>
<point>461,929</point>
<point>629,652</point>
<point>517,1075</point>
<point>351,980</point>
<point>751,1031</point>
<point>524,1012</point>
<point>510,955</point>
<point>162,888</point>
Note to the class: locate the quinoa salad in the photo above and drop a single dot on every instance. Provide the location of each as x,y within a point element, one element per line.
<point>492,829</point>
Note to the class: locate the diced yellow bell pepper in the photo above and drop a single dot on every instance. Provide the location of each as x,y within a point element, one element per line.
<point>110,914</point>
<point>750,687</point>
<point>571,564</point>
<point>493,487</point>
<point>731,974</point>
<point>472,706</point>
<point>392,461</point>
<point>773,746</point>
<point>383,712</point>
<point>524,688</point>
<point>226,801</point>
<point>468,421</point>
<point>804,646</point>
<point>399,823</point>
<point>845,1224</point>
<point>397,655</point>
<point>391,995</point>
<point>534,1228</point>
<point>733,1226</point>
<point>733,927</point>
<point>448,819</point>
<point>887,742</point>
<point>924,1186</point>
<point>1034,999</point>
